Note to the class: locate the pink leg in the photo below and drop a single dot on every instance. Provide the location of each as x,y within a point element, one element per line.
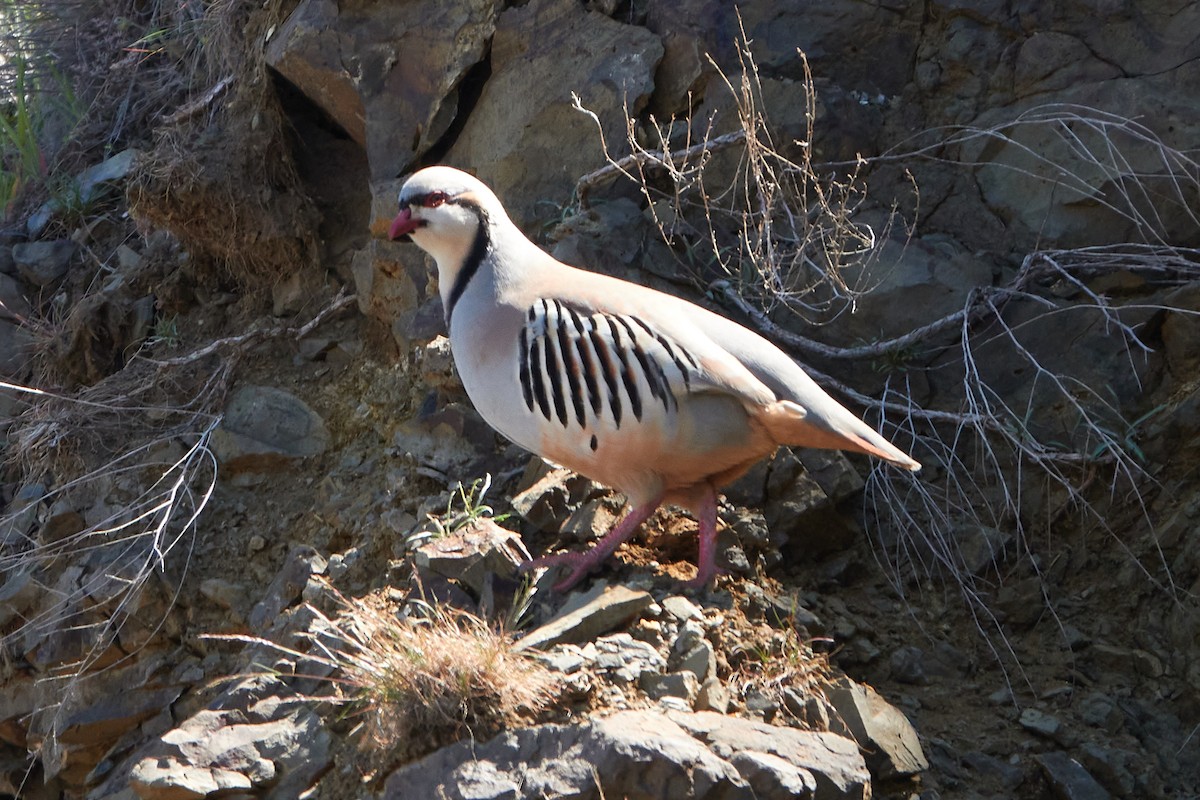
<point>706,515</point>
<point>583,563</point>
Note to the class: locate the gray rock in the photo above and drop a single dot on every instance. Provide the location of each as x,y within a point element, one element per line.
<point>640,755</point>
<point>287,587</point>
<point>266,428</point>
<point>699,660</point>
<point>980,547</point>
<point>13,305</point>
<point>713,696</point>
<point>682,609</point>
<point>601,611</point>
<point>43,263</point>
<point>473,553</point>
<point>1112,767</point>
<point>1040,723</point>
<point>834,761</point>
<point>886,736</point>
<point>88,187</point>
<point>673,684</point>
<point>624,659</point>
<point>388,73</point>
<point>249,739</point>
<point>1068,779</point>
<point>1010,775</point>
<point>1102,711</point>
<point>523,137</point>
<point>771,776</point>
<point>16,345</point>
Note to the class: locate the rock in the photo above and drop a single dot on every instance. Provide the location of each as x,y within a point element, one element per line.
<point>43,263</point>
<point>887,738</point>
<point>301,564</point>
<point>834,761</point>
<point>641,755</point>
<point>907,664</point>
<point>632,754</point>
<point>980,547</point>
<point>682,609</point>
<point>266,428</point>
<point>16,345</point>
<point>771,776</point>
<point>13,305</point>
<point>1040,723</point>
<point>696,656</point>
<point>913,283</point>
<point>1045,189</point>
<point>116,713</point>
<point>1102,711</point>
<point>390,282</point>
<point>522,136</point>
<point>1010,775</point>
<point>19,591</point>
<point>248,739</point>
<point>672,684</point>
<point>387,73</point>
<point>87,187</point>
<point>548,495</point>
<point>599,611</point>
<point>474,553</point>
<point>623,659</point>
<point>1112,767</point>
<point>713,696</point>
<point>1068,779</point>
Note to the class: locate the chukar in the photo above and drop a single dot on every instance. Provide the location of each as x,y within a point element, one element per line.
<point>636,389</point>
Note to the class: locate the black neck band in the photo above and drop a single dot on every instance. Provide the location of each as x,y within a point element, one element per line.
<point>479,251</point>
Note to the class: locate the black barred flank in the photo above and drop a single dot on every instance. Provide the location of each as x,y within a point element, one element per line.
<point>539,386</point>
<point>655,378</point>
<point>550,352</point>
<point>572,362</point>
<point>523,354</point>
<point>587,366</point>
<point>570,366</point>
<point>631,388</point>
<point>609,374</point>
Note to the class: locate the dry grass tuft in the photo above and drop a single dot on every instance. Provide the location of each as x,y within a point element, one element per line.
<point>419,681</point>
<point>219,175</point>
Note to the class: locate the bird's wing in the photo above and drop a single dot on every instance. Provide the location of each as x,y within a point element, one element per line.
<point>583,363</point>
<point>678,348</point>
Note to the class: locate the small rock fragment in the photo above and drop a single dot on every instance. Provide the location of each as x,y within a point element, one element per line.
<point>1068,779</point>
<point>609,608</point>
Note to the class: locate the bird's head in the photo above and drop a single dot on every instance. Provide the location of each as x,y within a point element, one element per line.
<point>441,211</point>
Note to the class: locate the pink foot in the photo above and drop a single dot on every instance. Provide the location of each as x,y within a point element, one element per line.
<point>706,567</point>
<point>580,563</point>
<point>583,563</point>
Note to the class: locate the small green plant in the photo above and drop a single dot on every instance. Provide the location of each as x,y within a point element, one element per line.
<point>1124,436</point>
<point>473,508</point>
<point>166,332</point>
<point>22,161</point>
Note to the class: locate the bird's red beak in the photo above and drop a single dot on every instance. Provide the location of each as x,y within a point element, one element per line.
<point>403,225</point>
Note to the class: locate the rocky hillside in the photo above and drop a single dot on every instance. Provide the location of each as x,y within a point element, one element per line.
<point>255,541</point>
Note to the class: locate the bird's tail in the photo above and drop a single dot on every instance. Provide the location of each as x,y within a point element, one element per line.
<point>830,428</point>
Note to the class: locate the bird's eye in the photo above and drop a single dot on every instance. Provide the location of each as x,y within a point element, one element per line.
<point>434,199</point>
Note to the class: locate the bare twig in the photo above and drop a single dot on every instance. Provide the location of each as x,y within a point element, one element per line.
<point>244,340</point>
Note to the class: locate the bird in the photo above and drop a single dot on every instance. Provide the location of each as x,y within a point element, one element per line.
<point>642,391</point>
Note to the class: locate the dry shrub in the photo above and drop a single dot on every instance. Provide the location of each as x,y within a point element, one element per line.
<point>422,681</point>
<point>220,176</point>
